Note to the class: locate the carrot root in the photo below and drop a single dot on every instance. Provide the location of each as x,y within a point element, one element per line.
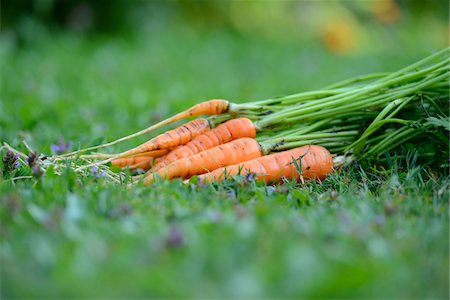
<point>172,138</point>
<point>168,140</point>
<point>210,107</point>
<point>311,162</point>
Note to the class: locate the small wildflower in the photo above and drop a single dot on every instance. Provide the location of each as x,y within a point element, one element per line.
<point>250,177</point>
<point>10,162</point>
<point>61,147</point>
<point>95,172</point>
<point>199,183</point>
<point>175,238</point>
<point>32,159</point>
<point>33,162</point>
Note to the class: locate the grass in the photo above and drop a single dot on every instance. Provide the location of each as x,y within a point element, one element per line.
<point>366,231</point>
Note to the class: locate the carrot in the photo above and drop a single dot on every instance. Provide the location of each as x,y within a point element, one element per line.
<point>172,138</point>
<point>139,160</point>
<point>316,162</point>
<point>210,107</point>
<point>230,153</point>
<point>134,162</point>
<point>168,140</point>
<point>224,133</point>
<point>153,153</point>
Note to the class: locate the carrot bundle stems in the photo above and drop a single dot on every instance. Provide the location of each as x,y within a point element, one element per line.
<point>299,97</point>
<point>357,80</point>
<point>332,106</point>
<point>388,112</point>
<point>424,61</point>
<point>337,139</point>
<point>349,97</point>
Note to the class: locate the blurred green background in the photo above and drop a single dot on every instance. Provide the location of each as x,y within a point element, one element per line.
<point>90,71</point>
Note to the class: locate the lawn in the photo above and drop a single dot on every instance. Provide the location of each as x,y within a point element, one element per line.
<point>372,230</point>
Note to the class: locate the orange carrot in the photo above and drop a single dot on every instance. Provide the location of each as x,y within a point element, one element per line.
<point>134,162</point>
<point>210,107</point>
<point>316,162</point>
<point>153,153</point>
<point>139,160</point>
<point>172,138</point>
<point>224,133</point>
<point>230,153</point>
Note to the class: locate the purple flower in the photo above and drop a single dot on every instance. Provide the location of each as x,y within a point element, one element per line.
<point>32,159</point>
<point>250,177</point>
<point>10,161</point>
<point>61,147</point>
<point>33,162</point>
<point>10,158</point>
<point>97,173</point>
<point>175,238</point>
<point>199,183</point>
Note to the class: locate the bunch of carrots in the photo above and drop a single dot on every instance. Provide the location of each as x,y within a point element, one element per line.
<point>300,136</point>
